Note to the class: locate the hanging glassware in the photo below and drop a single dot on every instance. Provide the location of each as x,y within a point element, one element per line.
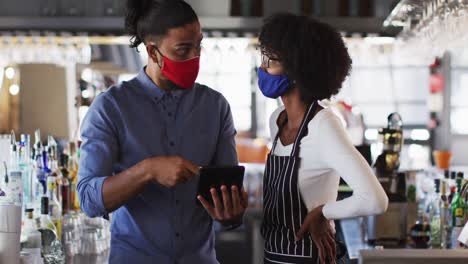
<point>439,22</point>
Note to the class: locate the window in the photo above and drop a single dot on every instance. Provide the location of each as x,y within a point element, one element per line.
<point>381,90</point>
<point>459,101</point>
<point>226,66</point>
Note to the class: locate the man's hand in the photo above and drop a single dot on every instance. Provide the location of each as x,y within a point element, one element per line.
<point>170,171</point>
<point>231,210</point>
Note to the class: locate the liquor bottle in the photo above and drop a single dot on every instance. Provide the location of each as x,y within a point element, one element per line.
<point>73,171</point>
<point>24,165</point>
<point>52,159</point>
<point>66,194</point>
<point>435,217</point>
<point>453,177</point>
<point>39,178</point>
<point>445,218</point>
<point>29,232</point>
<point>420,232</point>
<point>458,215</point>
<point>453,191</point>
<point>14,176</point>
<point>464,196</point>
<point>13,152</point>
<point>40,165</point>
<point>45,221</point>
<point>55,207</point>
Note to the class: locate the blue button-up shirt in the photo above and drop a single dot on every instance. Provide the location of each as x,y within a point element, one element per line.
<point>136,120</point>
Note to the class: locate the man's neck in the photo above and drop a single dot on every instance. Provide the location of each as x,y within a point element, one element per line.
<point>154,73</point>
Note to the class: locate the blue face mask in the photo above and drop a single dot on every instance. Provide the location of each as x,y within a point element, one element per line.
<point>272,86</point>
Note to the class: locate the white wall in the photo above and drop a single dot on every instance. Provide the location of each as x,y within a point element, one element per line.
<point>460,150</point>
<point>47,100</point>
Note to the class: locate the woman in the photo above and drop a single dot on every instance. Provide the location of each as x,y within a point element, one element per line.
<point>305,61</point>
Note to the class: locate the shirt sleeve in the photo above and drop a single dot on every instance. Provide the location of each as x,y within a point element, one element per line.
<point>226,153</point>
<point>338,153</point>
<point>99,151</point>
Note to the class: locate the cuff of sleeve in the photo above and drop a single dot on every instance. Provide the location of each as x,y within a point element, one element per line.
<point>99,182</point>
<point>326,211</point>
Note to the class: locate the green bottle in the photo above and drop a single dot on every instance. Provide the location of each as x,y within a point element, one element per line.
<point>458,207</point>
<point>458,214</point>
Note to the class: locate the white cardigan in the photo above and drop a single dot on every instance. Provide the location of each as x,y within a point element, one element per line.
<point>326,155</point>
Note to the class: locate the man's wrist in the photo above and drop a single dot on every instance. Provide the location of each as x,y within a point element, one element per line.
<point>228,226</point>
<point>237,221</point>
<point>147,171</point>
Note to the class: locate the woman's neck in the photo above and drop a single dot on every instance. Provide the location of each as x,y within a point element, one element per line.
<point>295,108</point>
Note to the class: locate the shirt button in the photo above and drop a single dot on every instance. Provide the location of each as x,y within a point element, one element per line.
<point>177,234</point>
<point>171,143</point>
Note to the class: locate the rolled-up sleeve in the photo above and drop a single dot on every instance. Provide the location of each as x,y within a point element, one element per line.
<point>99,151</point>
<point>338,152</point>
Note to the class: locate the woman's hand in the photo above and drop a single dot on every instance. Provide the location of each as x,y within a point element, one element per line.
<point>319,228</point>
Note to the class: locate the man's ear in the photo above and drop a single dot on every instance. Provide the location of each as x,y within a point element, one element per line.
<point>153,54</point>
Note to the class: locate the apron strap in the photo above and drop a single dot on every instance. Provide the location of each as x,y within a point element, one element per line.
<point>303,130</point>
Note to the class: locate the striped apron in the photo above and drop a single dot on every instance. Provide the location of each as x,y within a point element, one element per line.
<point>283,208</point>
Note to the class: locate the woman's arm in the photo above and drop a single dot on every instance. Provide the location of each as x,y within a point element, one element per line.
<point>338,153</point>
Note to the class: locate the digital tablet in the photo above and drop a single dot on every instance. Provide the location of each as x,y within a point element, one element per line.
<point>216,176</point>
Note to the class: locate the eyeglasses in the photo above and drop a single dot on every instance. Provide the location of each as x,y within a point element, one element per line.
<point>269,62</point>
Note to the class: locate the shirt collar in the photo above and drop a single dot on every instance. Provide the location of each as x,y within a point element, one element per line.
<point>154,90</point>
<point>149,86</point>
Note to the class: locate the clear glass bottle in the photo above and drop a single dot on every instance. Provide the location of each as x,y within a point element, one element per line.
<point>445,217</point>
<point>39,186</point>
<point>55,207</point>
<point>29,231</point>
<point>25,165</point>
<point>53,165</point>
<point>435,217</point>
<point>45,221</point>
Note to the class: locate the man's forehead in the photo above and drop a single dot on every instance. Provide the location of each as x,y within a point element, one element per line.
<point>188,33</point>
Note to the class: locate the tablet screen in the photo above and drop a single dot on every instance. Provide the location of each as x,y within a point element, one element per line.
<point>215,177</point>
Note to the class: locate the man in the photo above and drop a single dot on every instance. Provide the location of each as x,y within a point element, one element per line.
<point>144,140</point>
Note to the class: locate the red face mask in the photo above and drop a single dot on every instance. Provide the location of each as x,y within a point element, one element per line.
<point>181,73</point>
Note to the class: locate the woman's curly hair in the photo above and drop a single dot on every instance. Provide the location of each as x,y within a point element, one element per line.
<point>313,54</point>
